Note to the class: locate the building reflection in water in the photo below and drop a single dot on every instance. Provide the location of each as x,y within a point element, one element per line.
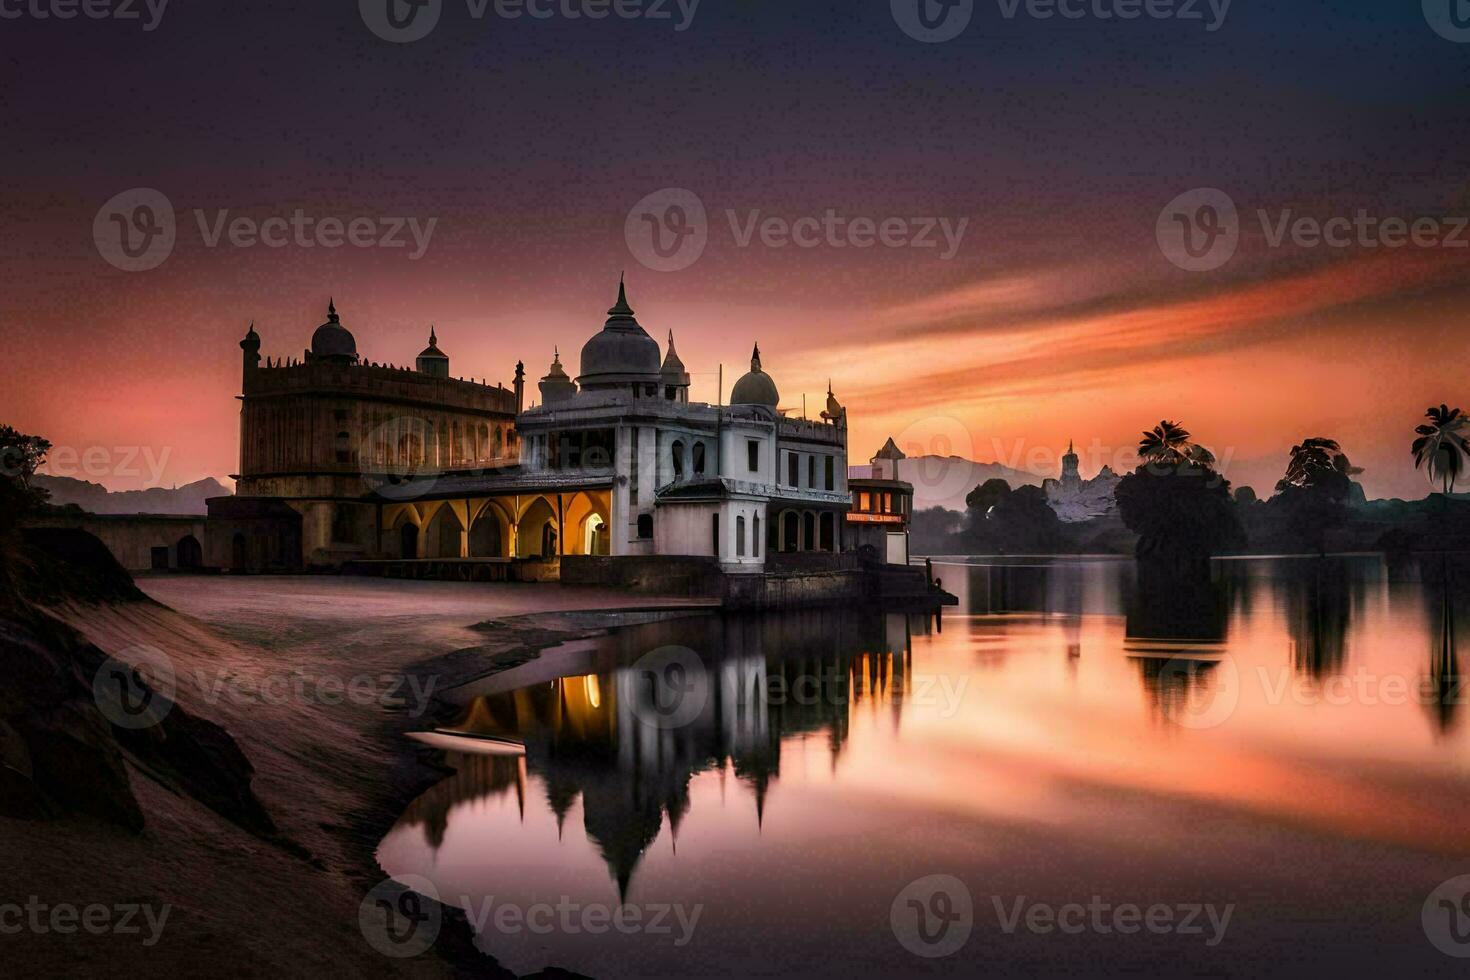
<point>768,678</point>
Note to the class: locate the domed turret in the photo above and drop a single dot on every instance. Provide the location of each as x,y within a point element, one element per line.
<point>674,378</point>
<point>556,386</point>
<point>332,341</point>
<point>433,361</point>
<point>622,352</point>
<point>755,388</point>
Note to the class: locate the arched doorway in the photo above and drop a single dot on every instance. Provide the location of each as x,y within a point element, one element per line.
<point>809,531</point>
<point>594,536</point>
<point>790,531</point>
<point>408,540</point>
<point>189,552</point>
<point>443,535</point>
<point>237,552</point>
<point>537,532</point>
<point>486,540</point>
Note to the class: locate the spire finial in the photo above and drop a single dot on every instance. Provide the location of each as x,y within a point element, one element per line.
<point>755,358</point>
<point>621,309</point>
<point>332,309</point>
<point>433,338</point>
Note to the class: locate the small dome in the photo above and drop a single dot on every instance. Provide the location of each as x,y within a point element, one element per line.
<point>755,388</point>
<point>621,349</point>
<point>332,339</point>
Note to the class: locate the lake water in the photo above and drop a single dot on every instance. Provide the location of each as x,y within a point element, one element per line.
<point>1266,762</point>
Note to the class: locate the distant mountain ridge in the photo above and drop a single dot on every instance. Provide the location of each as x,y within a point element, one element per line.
<point>97,499</point>
<point>945,481</point>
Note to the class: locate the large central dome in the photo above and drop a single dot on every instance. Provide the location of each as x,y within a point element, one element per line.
<point>622,352</point>
<point>332,341</point>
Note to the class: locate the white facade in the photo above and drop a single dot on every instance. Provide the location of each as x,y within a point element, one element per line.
<point>689,478</point>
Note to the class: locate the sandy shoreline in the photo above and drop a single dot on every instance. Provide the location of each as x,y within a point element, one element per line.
<point>307,676</point>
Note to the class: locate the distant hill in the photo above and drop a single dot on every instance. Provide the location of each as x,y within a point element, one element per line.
<point>97,499</point>
<point>944,481</point>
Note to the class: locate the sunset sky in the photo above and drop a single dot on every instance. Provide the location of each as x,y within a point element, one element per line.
<point>527,142</point>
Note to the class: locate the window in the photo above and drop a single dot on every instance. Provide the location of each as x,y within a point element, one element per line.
<point>344,448</point>
<point>715,537</point>
<point>755,538</point>
<point>645,526</point>
<point>792,464</point>
<point>831,476</point>
<point>811,472</point>
<point>699,459</point>
<point>740,537</point>
<point>864,502</point>
<point>753,454</point>
<point>827,531</point>
<point>677,452</point>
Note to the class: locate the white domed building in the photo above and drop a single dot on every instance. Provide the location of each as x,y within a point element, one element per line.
<point>734,482</point>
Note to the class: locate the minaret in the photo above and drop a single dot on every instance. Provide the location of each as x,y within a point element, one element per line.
<point>251,346</point>
<point>520,387</point>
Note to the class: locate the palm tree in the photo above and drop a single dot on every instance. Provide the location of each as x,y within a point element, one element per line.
<point>1442,447</point>
<point>1168,444</point>
<point>1313,459</point>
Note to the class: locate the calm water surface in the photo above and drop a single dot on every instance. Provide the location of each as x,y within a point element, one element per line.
<point>1278,735</point>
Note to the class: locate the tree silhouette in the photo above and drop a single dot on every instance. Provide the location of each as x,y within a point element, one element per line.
<point>1442,447</point>
<point>1168,444</point>
<point>1312,498</point>
<point>1175,502</point>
